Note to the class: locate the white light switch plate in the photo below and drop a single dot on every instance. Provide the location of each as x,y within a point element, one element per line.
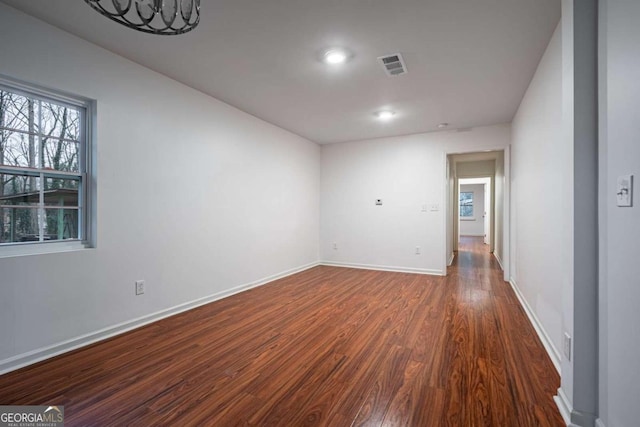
<point>624,191</point>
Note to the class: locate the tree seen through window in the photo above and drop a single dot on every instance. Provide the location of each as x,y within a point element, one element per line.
<point>466,204</point>
<point>41,172</point>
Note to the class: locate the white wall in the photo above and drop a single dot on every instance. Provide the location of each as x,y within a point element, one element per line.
<point>475,168</point>
<point>619,292</point>
<point>565,394</point>
<point>499,189</point>
<point>451,204</point>
<point>474,226</point>
<point>541,196</point>
<point>194,196</point>
<point>406,172</point>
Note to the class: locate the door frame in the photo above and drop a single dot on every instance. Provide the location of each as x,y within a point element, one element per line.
<point>506,207</point>
<point>492,201</point>
<point>488,202</point>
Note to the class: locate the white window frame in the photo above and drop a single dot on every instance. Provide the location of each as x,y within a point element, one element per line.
<point>86,160</point>
<point>460,205</point>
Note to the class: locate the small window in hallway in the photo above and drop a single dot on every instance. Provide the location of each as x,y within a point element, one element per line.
<point>466,204</point>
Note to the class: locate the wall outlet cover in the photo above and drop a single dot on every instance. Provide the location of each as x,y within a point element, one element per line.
<point>567,346</point>
<point>139,287</point>
<point>378,202</point>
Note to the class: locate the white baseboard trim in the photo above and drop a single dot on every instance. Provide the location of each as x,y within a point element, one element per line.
<point>453,255</point>
<point>383,268</point>
<point>499,260</point>
<point>542,334</point>
<point>34,356</point>
<point>565,408</point>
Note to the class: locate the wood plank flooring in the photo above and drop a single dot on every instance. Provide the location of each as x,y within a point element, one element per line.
<point>325,347</point>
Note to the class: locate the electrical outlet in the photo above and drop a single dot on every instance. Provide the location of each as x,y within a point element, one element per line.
<point>335,246</point>
<point>378,202</point>
<point>139,287</point>
<point>567,346</point>
<point>417,250</point>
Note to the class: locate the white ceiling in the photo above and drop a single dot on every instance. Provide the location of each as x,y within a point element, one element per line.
<point>469,61</point>
<point>471,181</point>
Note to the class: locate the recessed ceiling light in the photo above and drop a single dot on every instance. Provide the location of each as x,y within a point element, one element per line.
<point>336,56</point>
<point>385,114</point>
<point>442,125</point>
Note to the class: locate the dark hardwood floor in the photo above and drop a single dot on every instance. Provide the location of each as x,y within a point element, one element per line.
<point>328,346</point>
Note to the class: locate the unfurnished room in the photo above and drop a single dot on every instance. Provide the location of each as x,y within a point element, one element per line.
<point>413,213</point>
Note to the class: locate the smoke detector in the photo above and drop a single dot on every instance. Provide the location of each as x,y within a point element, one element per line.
<point>393,64</point>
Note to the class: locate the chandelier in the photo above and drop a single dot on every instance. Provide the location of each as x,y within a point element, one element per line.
<point>168,17</point>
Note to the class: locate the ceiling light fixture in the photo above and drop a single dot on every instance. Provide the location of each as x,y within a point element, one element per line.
<point>336,56</point>
<point>385,115</point>
<point>166,17</point>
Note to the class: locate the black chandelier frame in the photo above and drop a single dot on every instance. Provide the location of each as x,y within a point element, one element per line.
<point>164,17</point>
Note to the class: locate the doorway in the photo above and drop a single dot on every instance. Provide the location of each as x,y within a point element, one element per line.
<point>475,209</point>
<point>486,218</point>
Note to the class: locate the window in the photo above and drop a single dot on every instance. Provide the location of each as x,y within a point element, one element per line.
<point>466,205</point>
<point>43,166</point>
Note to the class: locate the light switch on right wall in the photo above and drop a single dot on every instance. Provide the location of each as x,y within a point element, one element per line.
<point>624,191</point>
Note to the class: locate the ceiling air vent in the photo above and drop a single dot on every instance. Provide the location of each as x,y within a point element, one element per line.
<point>393,64</point>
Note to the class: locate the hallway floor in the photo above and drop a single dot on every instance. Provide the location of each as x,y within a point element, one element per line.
<point>501,362</point>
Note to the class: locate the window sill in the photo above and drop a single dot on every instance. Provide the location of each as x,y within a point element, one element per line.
<point>467,219</point>
<point>25,249</point>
